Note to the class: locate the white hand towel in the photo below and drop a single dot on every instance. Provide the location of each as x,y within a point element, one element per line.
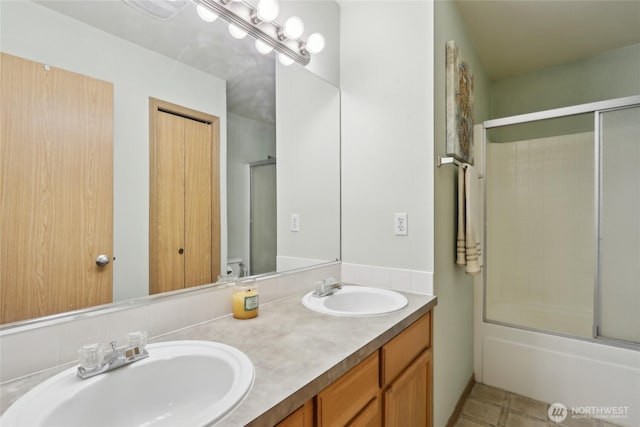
<point>460,239</point>
<point>472,246</point>
<point>467,247</point>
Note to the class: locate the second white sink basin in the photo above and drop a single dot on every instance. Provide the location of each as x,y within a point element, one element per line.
<point>356,301</point>
<point>181,383</point>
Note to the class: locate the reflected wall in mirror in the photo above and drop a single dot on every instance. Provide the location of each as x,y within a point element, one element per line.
<point>197,65</point>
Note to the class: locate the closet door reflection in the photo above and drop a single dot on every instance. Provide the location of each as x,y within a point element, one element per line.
<point>262,233</point>
<point>619,268</point>
<point>184,237</point>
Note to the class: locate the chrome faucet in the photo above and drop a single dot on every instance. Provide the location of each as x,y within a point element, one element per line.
<point>326,287</point>
<point>96,362</point>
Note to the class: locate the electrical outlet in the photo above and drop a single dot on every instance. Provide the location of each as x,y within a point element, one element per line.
<point>400,225</point>
<point>295,222</point>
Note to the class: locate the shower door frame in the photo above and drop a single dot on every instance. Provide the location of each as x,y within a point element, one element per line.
<point>596,108</point>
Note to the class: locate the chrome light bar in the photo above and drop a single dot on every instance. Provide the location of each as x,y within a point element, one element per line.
<point>243,15</point>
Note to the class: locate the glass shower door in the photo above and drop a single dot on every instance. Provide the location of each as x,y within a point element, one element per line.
<point>540,247</point>
<point>618,293</point>
<point>263,229</point>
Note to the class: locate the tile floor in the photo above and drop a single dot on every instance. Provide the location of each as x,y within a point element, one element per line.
<point>493,407</point>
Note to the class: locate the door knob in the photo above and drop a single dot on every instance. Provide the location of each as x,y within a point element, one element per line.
<point>102,260</point>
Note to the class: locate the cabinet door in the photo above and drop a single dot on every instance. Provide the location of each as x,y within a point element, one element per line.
<point>348,395</point>
<point>407,401</point>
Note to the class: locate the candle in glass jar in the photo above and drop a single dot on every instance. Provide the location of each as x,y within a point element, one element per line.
<point>245,301</point>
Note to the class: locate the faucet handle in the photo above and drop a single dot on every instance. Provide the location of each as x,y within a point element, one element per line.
<point>91,356</point>
<point>332,281</point>
<point>137,339</point>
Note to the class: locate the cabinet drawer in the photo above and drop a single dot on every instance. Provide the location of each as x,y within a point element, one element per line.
<point>302,417</point>
<point>370,416</point>
<point>398,353</point>
<point>349,394</point>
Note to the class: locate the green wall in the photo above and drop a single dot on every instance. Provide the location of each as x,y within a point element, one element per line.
<point>611,74</point>
<point>453,324</point>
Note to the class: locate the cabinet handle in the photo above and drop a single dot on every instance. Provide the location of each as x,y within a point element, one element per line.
<point>181,251</point>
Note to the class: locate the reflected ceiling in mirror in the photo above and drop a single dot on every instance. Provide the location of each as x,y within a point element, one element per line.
<point>186,38</point>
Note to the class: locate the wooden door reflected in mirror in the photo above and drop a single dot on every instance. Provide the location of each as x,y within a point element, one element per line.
<point>56,202</point>
<point>184,213</point>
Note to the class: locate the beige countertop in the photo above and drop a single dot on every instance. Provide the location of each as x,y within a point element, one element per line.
<point>296,352</point>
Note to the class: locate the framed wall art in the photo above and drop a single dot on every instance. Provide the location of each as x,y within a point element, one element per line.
<point>459,109</point>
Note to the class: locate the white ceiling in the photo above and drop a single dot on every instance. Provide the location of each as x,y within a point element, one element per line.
<point>511,38</point>
<point>518,36</point>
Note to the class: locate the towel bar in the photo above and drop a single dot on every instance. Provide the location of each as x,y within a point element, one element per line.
<point>448,160</point>
<point>451,160</point>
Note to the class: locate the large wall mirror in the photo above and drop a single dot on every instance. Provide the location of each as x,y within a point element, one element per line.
<point>273,134</point>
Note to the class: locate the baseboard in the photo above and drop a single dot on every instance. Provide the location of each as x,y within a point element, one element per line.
<point>458,409</point>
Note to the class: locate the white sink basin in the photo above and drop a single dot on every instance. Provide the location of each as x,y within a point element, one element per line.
<point>356,301</point>
<point>181,383</point>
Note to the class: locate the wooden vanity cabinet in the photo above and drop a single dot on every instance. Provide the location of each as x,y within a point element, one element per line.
<point>407,401</point>
<point>406,377</point>
<point>370,416</point>
<point>392,387</point>
<point>301,417</point>
<point>349,396</point>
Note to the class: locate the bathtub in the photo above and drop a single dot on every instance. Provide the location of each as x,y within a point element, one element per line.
<point>579,373</point>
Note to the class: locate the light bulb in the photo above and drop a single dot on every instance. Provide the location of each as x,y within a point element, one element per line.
<point>205,14</point>
<point>267,10</point>
<point>285,60</point>
<point>236,32</point>
<point>293,28</point>
<point>262,47</point>
<point>315,43</point>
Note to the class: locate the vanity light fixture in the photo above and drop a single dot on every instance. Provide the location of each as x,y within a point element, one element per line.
<point>260,22</point>
<point>205,14</point>
<point>315,43</point>
<point>262,47</point>
<point>284,59</point>
<point>267,10</point>
<point>237,32</point>
<point>293,28</point>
